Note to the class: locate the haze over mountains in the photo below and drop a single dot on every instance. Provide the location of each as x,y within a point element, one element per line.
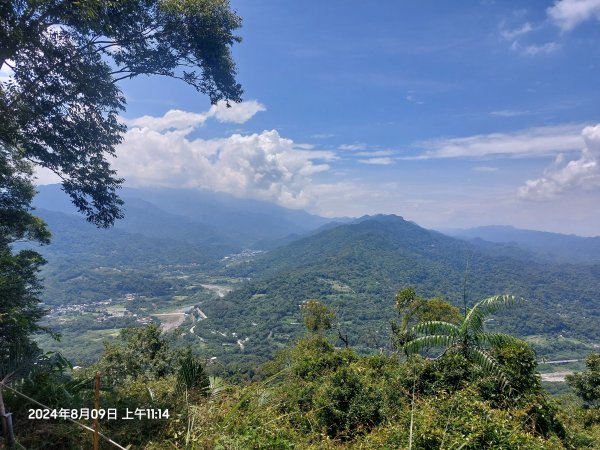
<point>221,221</point>
<point>555,246</point>
<point>196,216</point>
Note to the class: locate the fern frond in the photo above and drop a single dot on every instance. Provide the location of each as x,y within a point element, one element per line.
<point>494,304</point>
<point>217,386</point>
<point>426,342</point>
<point>436,327</point>
<point>191,375</point>
<point>500,339</point>
<point>489,364</point>
<point>474,321</point>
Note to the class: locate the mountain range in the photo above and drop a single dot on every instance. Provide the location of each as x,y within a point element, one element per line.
<point>198,217</point>
<point>353,265</point>
<point>357,268</point>
<point>550,246</point>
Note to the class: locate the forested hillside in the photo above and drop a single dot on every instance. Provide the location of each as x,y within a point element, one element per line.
<point>357,268</point>
<point>549,246</point>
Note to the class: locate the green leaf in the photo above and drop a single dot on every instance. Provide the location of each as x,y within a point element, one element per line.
<point>427,342</point>
<point>436,327</point>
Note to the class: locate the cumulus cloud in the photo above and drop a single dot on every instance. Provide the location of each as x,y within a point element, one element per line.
<point>180,120</point>
<point>540,141</point>
<point>235,112</point>
<point>565,176</point>
<point>263,165</point>
<point>173,119</point>
<point>567,14</point>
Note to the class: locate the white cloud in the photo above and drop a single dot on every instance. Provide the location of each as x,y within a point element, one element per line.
<point>356,198</point>
<point>513,35</point>
<point>173,119</point>
<point>236,112</point>
<point>534,49</point>
<point>485,169</point>
<point>510,34</point>
<point>378,161</point>
<point>544,49</point>
<point>304,146</point>
<point>376,153</point>
<point>181,120</point>
<point>541,141</point>
<point>510,113</point>
<point>322,135</point>
<point>578,174</point>
<point>412,99</point>
<point>261,165</point>
<point>355,146</point>
<point>567,14</point>
<point>45,176</point>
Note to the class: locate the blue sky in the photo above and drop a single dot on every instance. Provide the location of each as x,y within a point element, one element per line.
<point>451,114</point>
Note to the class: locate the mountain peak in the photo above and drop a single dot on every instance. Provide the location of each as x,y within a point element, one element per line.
<point>381,218</point>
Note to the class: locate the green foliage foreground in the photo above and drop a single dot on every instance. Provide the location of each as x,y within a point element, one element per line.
<point>314,395</point>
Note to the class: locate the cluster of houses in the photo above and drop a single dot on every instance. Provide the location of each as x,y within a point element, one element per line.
<point>100,307</point>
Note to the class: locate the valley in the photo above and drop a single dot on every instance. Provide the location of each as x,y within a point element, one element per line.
<point>239,307</point>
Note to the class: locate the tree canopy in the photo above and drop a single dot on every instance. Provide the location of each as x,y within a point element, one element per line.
<point>317,317</point>
<point>19,286</point>
<point>60,107</point>
<point>469,338</point>
<point>586,384</point>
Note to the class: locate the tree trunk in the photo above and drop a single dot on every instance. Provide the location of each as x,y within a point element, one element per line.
<point>3,413</point>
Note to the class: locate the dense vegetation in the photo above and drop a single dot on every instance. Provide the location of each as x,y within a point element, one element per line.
<point>315,395</point>
<point>356,269</point>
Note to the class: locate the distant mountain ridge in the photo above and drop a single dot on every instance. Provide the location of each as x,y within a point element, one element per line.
<point>552,246</point>
<point>196,216</point>
<point>166,228</point>
<point>357,268</point>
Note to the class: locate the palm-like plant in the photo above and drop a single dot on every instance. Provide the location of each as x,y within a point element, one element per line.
<point>469,338</point>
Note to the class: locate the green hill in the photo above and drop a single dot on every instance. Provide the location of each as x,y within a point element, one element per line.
<point>357,268</point>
